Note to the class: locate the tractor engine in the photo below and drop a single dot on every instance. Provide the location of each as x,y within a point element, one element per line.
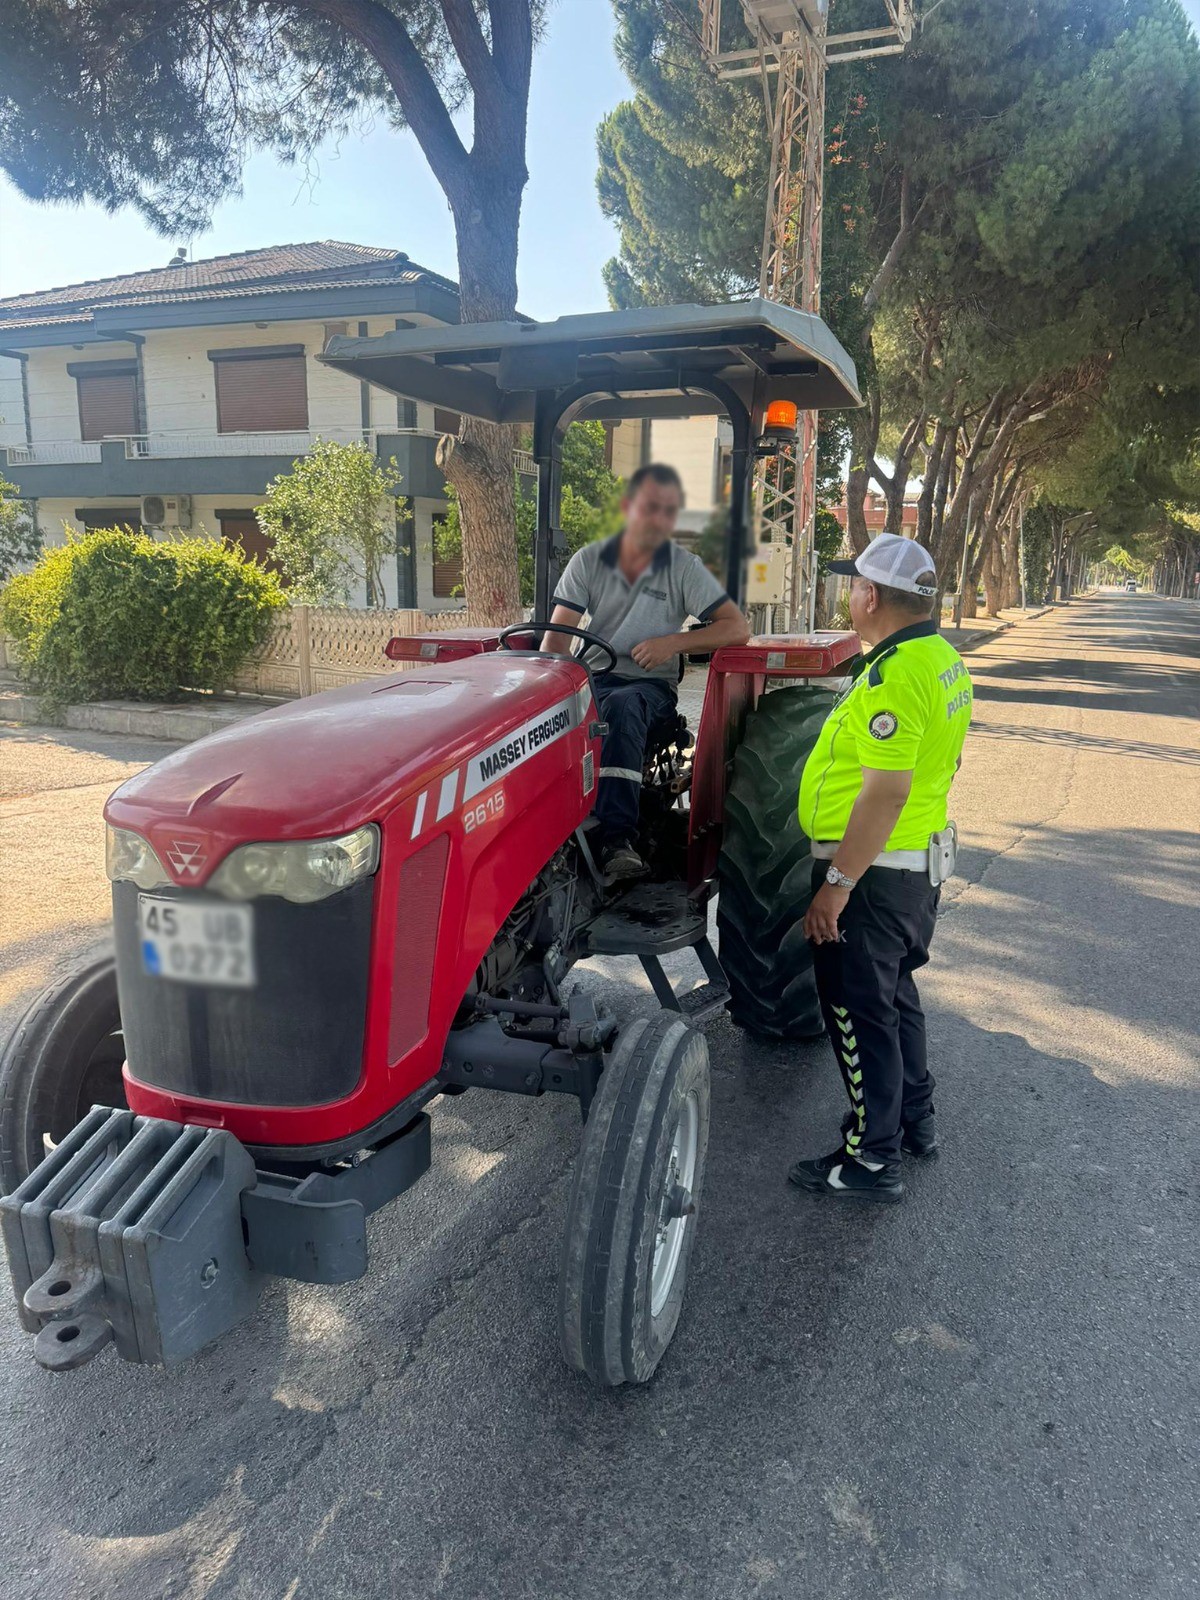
<point>533,938</point>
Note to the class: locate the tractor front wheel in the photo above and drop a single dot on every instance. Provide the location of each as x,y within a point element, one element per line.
<point>65,1056</point>
<point>765,871</point>
<point>631,1222</point>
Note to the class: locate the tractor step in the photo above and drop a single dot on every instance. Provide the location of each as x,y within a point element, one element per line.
<point>697,1004</point>
<point>652,919</point>
<point>704,1001</point>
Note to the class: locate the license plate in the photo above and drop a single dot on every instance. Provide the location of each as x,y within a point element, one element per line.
<point>197,942</point>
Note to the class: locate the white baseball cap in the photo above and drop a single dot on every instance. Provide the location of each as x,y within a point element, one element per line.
<point>893,561</point>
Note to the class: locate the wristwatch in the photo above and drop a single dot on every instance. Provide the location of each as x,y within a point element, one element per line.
<point>839,880</point>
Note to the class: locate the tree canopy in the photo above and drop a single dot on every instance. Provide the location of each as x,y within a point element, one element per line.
<point>1010,215</point>
<point>333,521</point>
<point>20,540</point>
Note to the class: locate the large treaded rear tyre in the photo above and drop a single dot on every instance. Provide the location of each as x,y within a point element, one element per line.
<point>631,1221</point>
<point>64,1057</point>
<point>765,870</point>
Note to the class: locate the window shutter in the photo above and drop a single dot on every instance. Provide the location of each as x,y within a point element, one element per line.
<point>93,517</point>
<point>261,394</point>
<point>107,404</point>
<point>448,578</point>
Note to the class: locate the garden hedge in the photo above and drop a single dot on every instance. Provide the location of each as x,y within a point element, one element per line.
<point>120,615</point>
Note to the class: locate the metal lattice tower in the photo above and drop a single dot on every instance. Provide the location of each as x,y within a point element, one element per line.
<point>791,52</point>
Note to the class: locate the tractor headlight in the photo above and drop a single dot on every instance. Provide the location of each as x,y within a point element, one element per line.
<point>302,872</point>
<point>129,859</point>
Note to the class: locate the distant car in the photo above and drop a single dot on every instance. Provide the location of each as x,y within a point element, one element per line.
<point>1131,586</point>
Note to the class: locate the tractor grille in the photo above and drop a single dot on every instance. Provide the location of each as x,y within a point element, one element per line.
<point>420,905</point>
<point>295,1039</point>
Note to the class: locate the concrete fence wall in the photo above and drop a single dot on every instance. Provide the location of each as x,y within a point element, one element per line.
<point>310,648</point>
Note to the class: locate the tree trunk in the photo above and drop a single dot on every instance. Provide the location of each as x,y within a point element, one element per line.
<point>1011,589</point>
<point>480,465</point>
<point>945,559</point>
<point>934,455</point>
<point>864,435</point>
<point>894,487</point>
<point>993,579</point>
<point>484,187</point>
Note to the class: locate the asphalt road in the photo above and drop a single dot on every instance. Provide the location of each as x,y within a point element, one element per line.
<point>990,1391</point>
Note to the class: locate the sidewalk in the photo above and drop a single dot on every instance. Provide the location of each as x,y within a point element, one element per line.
<point>978,629</point>
<point>198,715</point>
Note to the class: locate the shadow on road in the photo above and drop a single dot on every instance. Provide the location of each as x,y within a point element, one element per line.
<point>854,1399</point>
<point>1139,749</point>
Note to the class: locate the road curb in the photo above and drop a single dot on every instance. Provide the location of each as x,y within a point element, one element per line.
<point>179,722</point>
<point>982,635</point>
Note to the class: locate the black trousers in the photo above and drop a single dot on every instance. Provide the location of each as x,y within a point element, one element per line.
<point>631,707</point>
<point>871,1006</point>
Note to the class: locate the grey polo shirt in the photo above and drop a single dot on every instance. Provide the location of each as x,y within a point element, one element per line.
<point>675,586</point>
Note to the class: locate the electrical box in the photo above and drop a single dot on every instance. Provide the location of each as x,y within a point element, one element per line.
<point>766,581</point>
<point>777,17</point>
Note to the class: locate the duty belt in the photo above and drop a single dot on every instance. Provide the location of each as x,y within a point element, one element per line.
<point>899,860</point>
<point>937,860</point>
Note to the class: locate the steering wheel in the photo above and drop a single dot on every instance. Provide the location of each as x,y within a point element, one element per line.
<point>591,639</point>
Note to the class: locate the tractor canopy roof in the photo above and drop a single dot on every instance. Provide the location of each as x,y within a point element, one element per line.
<point>644,363</point>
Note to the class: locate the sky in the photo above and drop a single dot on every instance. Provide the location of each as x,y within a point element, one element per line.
<point>378,190</point>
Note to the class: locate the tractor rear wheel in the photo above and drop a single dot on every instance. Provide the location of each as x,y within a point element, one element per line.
<point>631,1221</point>
<point>65,1056</point>
<point>765,870</point>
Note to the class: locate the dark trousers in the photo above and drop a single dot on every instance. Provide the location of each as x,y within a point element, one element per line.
<point>631,707</point>
<point>871,1006</point>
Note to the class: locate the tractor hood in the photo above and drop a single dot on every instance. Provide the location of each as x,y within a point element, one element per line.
<point>323,766</point>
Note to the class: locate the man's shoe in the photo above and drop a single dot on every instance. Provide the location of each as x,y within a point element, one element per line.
<point>921,1140</point>
<point>847,1179</point>
<point>621,861</point>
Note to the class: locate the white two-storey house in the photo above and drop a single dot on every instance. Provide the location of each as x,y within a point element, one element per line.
<point>172,397</point>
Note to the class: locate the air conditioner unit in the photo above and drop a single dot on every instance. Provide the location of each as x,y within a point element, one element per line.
<point>166,511</point>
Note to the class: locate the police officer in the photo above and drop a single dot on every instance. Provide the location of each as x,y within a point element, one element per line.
<point>873,800</point>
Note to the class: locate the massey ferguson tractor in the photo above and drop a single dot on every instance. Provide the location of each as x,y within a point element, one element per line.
<point>337,910</point>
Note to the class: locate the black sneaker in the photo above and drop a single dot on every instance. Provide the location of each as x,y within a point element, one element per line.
<point>920,1139</point>
<point>621,861</point>
<point>847,1179</point>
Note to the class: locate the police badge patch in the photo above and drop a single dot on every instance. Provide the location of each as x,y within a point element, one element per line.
<point>883,725</point>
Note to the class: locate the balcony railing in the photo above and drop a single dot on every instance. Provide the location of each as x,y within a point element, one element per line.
<point>289,442</point>
<point>53,452</point>
<point>182,445</point>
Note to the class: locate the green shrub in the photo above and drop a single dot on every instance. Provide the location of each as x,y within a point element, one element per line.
<point>119,615</point>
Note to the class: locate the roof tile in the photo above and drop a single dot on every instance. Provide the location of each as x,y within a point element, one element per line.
<point>327,263</point>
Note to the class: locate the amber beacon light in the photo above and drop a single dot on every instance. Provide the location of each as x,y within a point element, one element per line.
<point>779,427</point>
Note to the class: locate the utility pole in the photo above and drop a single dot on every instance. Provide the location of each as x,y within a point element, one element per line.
<point>790,54</point>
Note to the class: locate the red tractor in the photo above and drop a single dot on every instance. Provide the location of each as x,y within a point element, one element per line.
<point>341,908</point>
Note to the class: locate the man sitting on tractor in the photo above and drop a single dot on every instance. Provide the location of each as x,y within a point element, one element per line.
<point>638,589</point>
